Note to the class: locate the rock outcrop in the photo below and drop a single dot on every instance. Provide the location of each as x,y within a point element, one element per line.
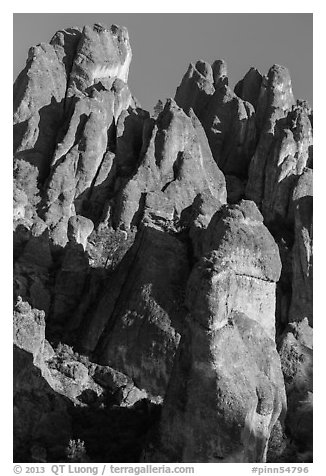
<point>162,263</point>
<point>216,411</point>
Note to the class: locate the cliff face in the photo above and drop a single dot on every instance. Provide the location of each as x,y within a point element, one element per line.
<point>162,264</point>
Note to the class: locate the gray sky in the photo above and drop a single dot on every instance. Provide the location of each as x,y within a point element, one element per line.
<point>164,44</point>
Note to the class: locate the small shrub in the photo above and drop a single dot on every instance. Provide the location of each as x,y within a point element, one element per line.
<point>76,452</point>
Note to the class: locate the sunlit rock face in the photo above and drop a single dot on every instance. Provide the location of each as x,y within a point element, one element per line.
<point>162,263</point>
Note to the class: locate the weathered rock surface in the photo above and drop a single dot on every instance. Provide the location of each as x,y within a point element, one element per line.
<point>157,260</point>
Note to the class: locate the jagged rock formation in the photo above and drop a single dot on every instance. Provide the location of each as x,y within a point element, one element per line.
<point>162,264</point>
<point>228,121</point>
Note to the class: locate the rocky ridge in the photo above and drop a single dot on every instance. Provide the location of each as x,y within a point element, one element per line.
<point>162,263</point>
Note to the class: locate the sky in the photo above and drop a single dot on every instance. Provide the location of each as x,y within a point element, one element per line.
<point>164,44</point>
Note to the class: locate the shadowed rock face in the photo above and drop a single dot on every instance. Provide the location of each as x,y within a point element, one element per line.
<point>248,88</point>
<point>158,260</point>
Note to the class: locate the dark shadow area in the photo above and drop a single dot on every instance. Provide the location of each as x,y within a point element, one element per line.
<point>71,37</point>
<point>305,207</point>
<point>51,118</point>
<point>45,422</point>
<point>41,417</point>
<point>159,260</point>
<point>114,434</point>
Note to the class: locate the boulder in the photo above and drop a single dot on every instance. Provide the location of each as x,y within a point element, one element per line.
<point>79,229</point>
